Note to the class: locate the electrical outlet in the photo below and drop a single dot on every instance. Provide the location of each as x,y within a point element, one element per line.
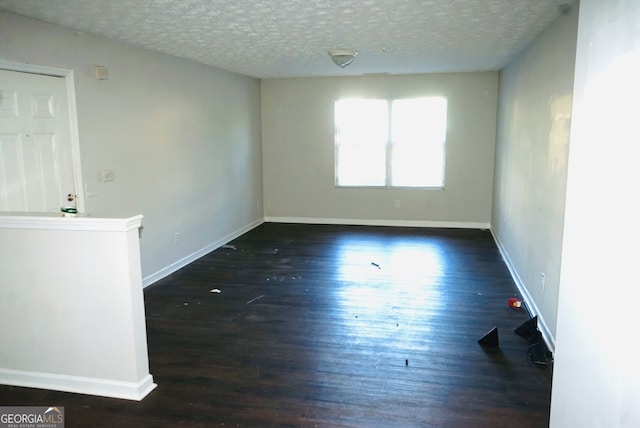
<point>176,238</point>
<point>542,281</point>
<point>396,203</point>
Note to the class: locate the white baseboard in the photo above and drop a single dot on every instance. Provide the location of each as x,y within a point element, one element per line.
<point>79,384</point>
<point>369,222</point>
<point>168,270</point>
<point>526,296</point>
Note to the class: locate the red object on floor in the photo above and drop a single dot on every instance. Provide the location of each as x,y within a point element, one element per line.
<point>515,303</point>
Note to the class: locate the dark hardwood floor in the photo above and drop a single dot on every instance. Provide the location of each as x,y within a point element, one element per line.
<point>330,326</point>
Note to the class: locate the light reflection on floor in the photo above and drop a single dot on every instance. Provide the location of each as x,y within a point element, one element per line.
<point>386,282</point>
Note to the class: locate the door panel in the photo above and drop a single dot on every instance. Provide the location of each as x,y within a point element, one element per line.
<point>12,187</point>
<point>36,163</point>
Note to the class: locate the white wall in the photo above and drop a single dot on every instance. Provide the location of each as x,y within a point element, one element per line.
<point>182,138</point>
<point>531,164</point>
<point>76,322</point>
<point>597,375</point>
<point>298,143</point>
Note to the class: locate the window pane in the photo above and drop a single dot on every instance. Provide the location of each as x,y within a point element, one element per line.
<point>360,166</point>
<point>418,133</point>
<point>361,138</point>
<point>361,122</point>
<point>417,166</point>
<point>419,120</point>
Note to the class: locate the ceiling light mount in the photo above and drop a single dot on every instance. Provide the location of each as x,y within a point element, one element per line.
<point>342,57</point>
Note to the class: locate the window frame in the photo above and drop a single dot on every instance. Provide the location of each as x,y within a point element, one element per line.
<point>389,147</point>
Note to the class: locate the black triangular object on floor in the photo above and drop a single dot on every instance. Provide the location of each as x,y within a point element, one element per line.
<point>538,353</point>
<point>535,336</point>
<point>527,326</point>
<point>490,339</point>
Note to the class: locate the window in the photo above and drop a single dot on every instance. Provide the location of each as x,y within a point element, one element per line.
<point>398,143</point>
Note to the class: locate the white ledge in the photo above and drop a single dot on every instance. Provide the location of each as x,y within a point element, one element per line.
<point>55,221</point>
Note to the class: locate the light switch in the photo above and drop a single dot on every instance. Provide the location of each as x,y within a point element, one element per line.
<point>107,175</point>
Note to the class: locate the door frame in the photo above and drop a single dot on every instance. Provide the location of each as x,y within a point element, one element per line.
<point>67,75</point>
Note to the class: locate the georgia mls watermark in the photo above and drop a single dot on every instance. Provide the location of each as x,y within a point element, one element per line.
<point>31,417</point>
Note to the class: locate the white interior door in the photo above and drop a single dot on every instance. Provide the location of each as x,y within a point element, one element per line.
<point>36,156</point>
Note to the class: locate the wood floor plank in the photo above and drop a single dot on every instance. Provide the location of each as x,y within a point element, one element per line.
<point>330,326</point>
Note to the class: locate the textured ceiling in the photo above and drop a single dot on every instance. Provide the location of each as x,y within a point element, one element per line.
<point>291,38</point>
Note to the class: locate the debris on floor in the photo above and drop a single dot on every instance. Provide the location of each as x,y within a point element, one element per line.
<point>515,303</point>
<point>375,264</point>
<point>255,298</point>
<point>229,247</point>
<point>216,290</point>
